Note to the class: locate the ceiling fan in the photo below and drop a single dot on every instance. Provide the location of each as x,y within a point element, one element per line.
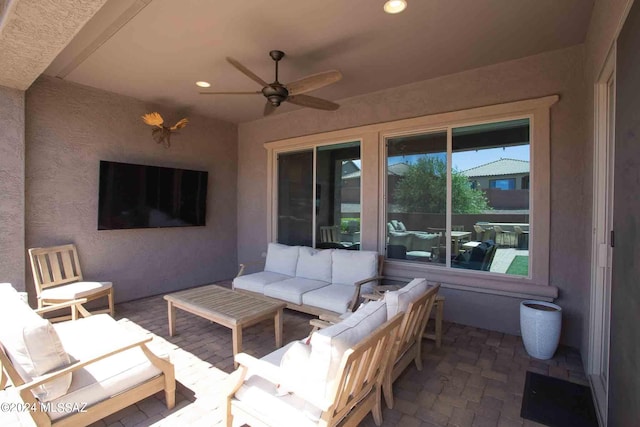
<point>277,93</point>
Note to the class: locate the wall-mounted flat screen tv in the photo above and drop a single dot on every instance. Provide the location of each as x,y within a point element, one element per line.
<point>139,196</point>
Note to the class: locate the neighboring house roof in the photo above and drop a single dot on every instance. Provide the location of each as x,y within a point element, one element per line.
<point>398,169</point>
<point>499,167</point>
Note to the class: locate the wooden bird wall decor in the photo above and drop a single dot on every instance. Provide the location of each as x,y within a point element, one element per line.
<point>160,133</point>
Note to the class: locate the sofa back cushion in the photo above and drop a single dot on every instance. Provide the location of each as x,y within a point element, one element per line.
<point>328,345</point>
<point>32,344</point>
<point>314,264</point>
<point>282,259</point>
<point>348,267</point>
<point>398,301</point>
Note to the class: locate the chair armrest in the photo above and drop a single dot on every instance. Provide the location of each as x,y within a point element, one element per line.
<point>75,304</point>
<point>355,301</point>
<point>245,264</point>
<point>273,374</point>
<point>331,318</point>
<point>266,370</point>
<point>81,364</point>
<point>319,324</point>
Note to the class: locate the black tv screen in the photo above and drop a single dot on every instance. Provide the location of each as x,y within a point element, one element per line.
<point>139,196</point>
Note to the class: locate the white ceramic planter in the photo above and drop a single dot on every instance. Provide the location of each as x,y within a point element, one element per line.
<point>540,325</point>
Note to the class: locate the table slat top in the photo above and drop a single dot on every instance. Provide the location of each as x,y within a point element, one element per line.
<point>224,304</point>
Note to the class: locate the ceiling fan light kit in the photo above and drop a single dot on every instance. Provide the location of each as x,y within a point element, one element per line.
<point>276,93</point>
<point>395,6</point>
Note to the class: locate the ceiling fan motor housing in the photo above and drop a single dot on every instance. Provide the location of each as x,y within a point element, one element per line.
<point>275,93</point>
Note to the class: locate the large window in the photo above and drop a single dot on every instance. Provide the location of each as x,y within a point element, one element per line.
<point>466,212</point>
<point>320,209</point>
<point>460,197</point>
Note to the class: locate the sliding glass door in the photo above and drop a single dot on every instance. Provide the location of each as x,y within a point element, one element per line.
<point>295,202</point>
<point>319,197</point>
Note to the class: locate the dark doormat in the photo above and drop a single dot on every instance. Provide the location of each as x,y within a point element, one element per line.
<point>557,403</point>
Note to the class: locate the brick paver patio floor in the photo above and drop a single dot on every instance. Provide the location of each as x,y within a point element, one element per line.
<point>475,379</point>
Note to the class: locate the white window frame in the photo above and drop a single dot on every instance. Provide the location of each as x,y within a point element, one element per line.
<point>373,191</point>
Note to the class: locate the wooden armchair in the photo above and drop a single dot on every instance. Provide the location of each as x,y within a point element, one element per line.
<point>355,392</point>
<point>58,278</point>
<point>77,372</point>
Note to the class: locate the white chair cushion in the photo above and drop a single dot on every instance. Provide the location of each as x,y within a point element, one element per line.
<point>398,301</point>
<point>334,298</point>
<point>90,337</point>
<point>348,267</point>
<point>314,264</point>
<point>255,282</point>
<point>32,344</point>
<point>292,290</point>
<point>261,397</point>
<point>282,259</point>
<point>74,290</point>
<point>329,344</point>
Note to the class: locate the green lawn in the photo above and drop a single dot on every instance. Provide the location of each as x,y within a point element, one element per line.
<point>519,266</point>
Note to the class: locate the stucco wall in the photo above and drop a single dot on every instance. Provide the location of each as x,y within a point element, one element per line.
<point>12,252</point>
<point>559,72</point>
<point>70,128</point>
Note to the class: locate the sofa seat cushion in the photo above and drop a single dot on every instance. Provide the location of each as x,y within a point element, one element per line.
<point>74,290</point>
<point>314,264</point>
<point>424,242</point>
<point>398,301</point>
<point>292,290</point>
<point>348,267</point>
<point>256,282</point>
<point>282,259</point>
<point>419,255</point>
<point>333,297</point>
<point>32,344</point>
<point>107,377</point>
<point>328,345</point>
<point>263,399</point>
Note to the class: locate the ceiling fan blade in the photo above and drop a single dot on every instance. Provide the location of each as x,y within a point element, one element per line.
<point>313,102</point>
<point>247,72</point>
<point>313,82</point>
<point>231,93</point>
<point>268,108</point>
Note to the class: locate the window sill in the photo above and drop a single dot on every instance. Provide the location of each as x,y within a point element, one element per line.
<point>472,281</point>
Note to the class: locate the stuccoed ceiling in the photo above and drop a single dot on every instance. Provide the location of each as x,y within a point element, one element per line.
<point>155,50</point>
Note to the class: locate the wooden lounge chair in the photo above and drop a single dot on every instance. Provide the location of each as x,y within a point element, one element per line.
<point>58,278</point>
<point>77,372</point>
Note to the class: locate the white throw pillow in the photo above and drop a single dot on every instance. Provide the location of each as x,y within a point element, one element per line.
<point>398,301</point>
<point>282,259</point>
<point>32,344</point>
<point>348,267</point>
<point>294,367</point>
<point>328,345</point>
<point>314,264</point>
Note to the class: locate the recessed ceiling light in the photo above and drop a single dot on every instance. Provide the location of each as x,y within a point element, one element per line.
<point>395,6</point>
<point>203,84</point>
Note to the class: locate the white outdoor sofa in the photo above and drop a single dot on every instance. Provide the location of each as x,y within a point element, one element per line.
<point>313,281</point>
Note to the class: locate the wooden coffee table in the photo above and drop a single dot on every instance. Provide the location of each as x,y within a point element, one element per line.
<point>226,307</point>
